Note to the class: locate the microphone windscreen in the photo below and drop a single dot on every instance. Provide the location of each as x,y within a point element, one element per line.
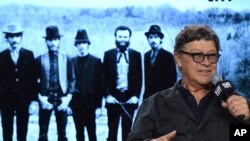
<point>216,78</point>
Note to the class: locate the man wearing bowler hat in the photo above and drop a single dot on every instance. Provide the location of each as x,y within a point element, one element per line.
<point>17,84</point>
<point>159,65</point>
<point>56,86</point>
<point>88,97</point>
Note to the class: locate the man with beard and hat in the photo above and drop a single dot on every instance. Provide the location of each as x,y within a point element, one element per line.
<point>88,97</point>
<point>56,85</point>
<point>17,84</point>
<point>159,65</point>
<point>123,81</point>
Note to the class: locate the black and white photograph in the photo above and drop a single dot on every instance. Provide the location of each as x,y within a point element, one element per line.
<point>123,70</point>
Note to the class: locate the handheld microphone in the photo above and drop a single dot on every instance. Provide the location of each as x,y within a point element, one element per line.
<point>224,89</point>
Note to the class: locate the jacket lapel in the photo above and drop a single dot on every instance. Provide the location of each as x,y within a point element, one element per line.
<point>8,57</point>
<point>130,58</point>
<point>114,59</point>
<point>147,58</point>
<point>158,57</point>
<point>176,101</point>
<point>62,70</point>
<point>76,66</point>
<point>21,57</point>
<point>211,111</point>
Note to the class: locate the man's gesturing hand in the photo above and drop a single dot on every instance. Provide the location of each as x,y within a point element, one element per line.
<point>167,137</point>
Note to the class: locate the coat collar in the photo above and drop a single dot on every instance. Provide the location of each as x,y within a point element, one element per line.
<point>20,58</point>
<point>86,62</point>
<point>114,56</point>
<point>176,101</point>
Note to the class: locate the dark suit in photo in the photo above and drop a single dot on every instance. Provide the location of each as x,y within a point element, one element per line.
<point>88,95</point>
<point>65,78</point>
<point>121,109</point>
<point>161,75</point>
<point>17,82</point>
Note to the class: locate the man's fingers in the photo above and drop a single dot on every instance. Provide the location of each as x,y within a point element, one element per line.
<point>167,137</point>
<point>62,108</point>
<point>171,135</point>
<point>224,104</point>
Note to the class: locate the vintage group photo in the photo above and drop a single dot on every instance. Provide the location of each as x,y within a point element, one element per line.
<point>114,70</point>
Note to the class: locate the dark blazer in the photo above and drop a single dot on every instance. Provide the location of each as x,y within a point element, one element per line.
<point>167,111</point>
<point>160,76</point>
<point>17,81</point>
<point>89,89</point>
<point>134,74</point>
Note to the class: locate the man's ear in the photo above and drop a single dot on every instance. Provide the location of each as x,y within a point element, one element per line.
<point>177,58</point>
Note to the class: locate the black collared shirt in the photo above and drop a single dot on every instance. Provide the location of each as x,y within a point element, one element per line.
<point>198,110</point>
<point>54,73</point>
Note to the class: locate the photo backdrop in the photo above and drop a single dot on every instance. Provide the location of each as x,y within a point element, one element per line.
<point>229,18</point>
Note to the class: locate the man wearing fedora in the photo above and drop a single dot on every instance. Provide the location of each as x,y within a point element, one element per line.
<point>56,85</point>
<point>159,66</point>
<point>17,82</point>
<point>88,97</point>
<point>123,81</point>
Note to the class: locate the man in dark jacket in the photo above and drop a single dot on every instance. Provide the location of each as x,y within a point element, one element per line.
<point>88,97</point>
<point>123,81</point>
<point>191,111</point>
<point>159,65</point>
<point>57,84</point>
<point>17,84</point>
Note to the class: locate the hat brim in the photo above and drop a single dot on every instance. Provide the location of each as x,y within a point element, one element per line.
<point>13,29</point>
<point>84,41</point>
<point>161,35</point>
<point>53,36</point>
<point>7,32</point>
<point>81,40</point>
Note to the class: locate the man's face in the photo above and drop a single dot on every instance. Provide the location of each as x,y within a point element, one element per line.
<point>196,74</point>
<point>53,44</point>
<point>122,38</point>
<point>154,41</point>
<point>83,48</point>
<point>14,40</point>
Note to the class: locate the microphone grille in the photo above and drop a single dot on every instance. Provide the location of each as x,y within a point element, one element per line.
<point>216,78</point>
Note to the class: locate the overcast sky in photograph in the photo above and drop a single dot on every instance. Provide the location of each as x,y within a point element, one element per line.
<point>182,5</point>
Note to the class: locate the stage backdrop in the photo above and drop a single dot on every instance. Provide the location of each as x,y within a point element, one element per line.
<point>229,18</point>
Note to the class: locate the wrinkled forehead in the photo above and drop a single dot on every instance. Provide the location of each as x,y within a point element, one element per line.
<point>201,45</point>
